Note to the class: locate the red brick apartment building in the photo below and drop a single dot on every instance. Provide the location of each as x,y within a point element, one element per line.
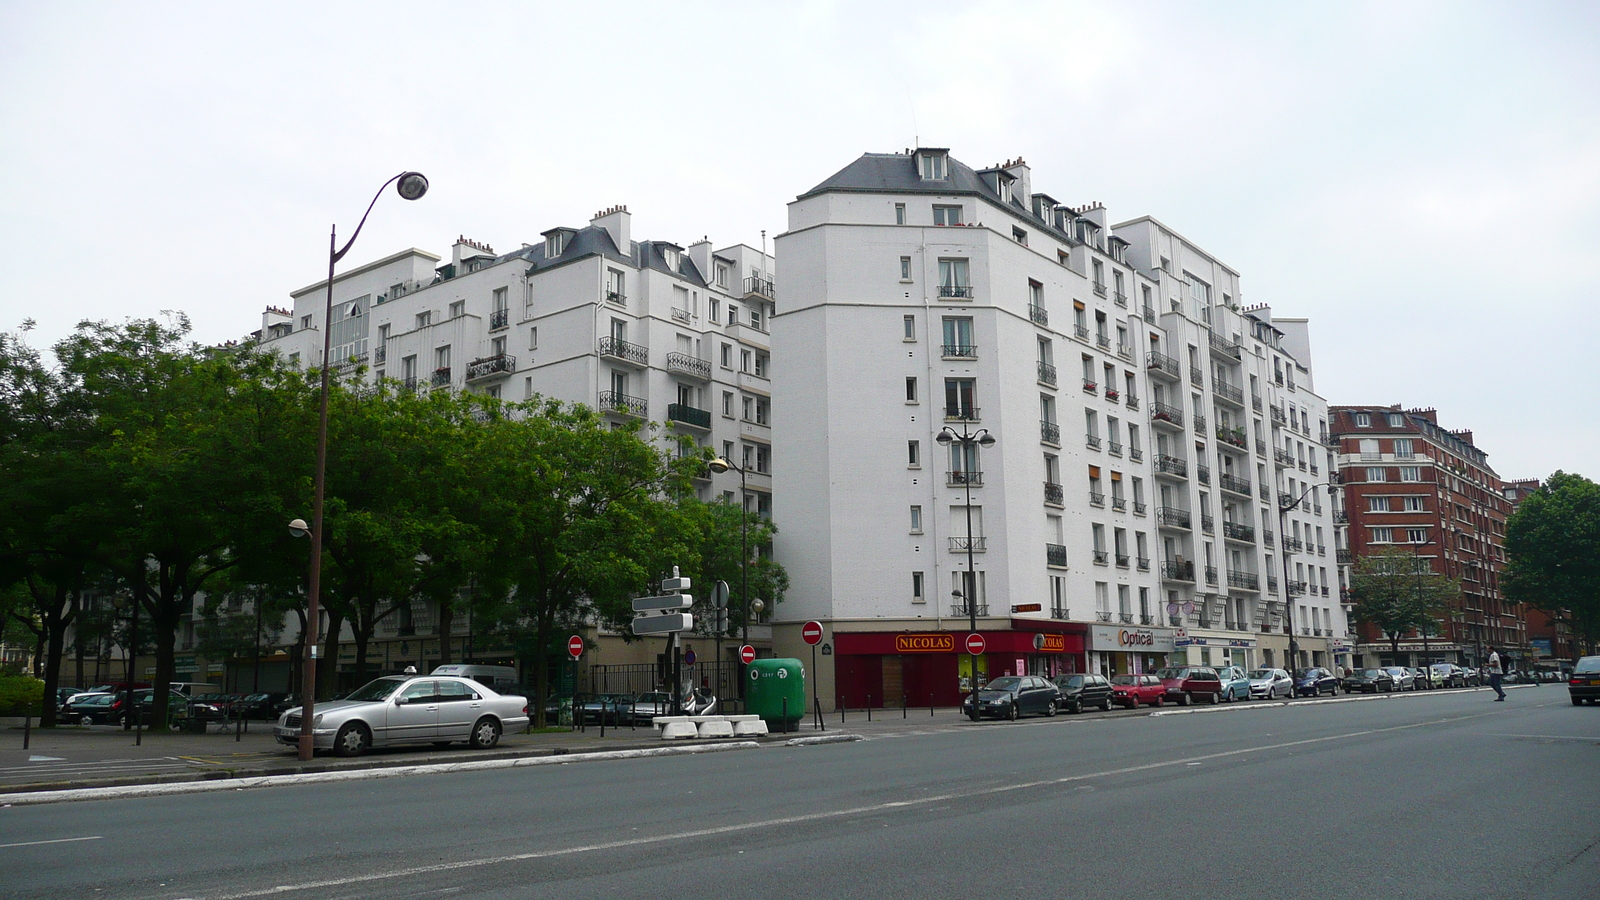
<point>1410,484</point>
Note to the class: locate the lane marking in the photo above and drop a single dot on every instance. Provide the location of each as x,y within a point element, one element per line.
<point>327,883</point>
<point>96,837</point>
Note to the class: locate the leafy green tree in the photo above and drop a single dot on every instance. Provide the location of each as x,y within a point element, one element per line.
<point>1398,592</point>
<point>715,542</point>
<point>1553,554</point>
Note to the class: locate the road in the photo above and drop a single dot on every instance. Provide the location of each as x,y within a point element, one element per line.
<point>1422,796</point>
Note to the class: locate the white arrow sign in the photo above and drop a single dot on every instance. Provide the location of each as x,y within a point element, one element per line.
<point>663,624</point>
<point>668,602</point>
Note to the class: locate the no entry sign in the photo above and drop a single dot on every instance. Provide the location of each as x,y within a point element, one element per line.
<point>811,633</point>
<point>747,654</point>
<point>575,646</point>
<point>975,644</point>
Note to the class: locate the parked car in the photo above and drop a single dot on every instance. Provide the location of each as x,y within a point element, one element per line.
<point>1422,677</point>
<point>1448,675</point>
<point>65,694</point>
<point>1403,679</point>
<point>1474,676</point>
<point>1235,683</point>
<point>1583,683</point>
<point>88,709</point>
<point>1132,690</point>
<point>1010,696</point>
<point>650,704</point>
<point>259,706</point>
<point>1371,681</point>
<point>1270,684</point>
<point>1185,683</point>
<point>1314,682</point>
<point>405,709</point>
<point>1084,689</point>
<point>613,709</point>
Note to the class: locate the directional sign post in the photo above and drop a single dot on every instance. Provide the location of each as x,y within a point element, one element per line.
<point>668,624</point>
<point>811,633</point>
<point>574,650</point>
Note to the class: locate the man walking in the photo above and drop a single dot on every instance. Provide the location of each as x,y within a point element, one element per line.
<point>1495,672</point>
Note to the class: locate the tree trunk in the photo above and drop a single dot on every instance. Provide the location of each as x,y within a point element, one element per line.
<point>363,637</point>
<point>541,643</point>
<point>328,666</point>
<point>446,622</point>
<point>55,642</point>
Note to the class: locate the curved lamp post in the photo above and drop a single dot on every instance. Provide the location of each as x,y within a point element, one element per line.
<point>410,186</point>
<point>720,465</point>
<point>968,440</point>
<point>1288,601</point>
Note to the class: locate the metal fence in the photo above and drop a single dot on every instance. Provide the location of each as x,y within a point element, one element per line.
<point>721,678</point>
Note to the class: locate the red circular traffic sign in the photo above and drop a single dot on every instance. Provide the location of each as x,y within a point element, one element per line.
<point>811,633</point>
<point>575,646</point>
<point>975,643</point>
<point>747,654</point>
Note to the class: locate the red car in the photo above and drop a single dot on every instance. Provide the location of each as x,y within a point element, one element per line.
<point>1132,690</point>
<point>1185,683</point>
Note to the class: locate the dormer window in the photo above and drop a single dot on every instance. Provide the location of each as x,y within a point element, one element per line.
<point>1005,190</point>
<point>553,245</point>
<point>670,255</point>
<point>932,165</point>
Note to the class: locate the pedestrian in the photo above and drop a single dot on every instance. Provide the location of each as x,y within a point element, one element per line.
<point>1495,674</point>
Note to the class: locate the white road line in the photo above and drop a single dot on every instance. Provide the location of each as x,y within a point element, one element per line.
<point>56,841</point>
<point>800,819</point>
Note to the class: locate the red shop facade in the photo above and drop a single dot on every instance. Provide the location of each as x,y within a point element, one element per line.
<point>921,668</point>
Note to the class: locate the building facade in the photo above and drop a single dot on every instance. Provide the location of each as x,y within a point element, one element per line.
<point>1410,484</point>
<point>1147,432</point>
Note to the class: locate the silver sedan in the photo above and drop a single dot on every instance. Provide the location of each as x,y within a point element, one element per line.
<point>403,709</point>
<point>1267,684</point>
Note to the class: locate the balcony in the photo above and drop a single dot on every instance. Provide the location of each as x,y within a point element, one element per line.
<point>1329,440</point>
<point>1143,563</point>
<point>1161,364</point>
<point>1229,393</point>
<point>1113,448</point>
<point>1261,447</point>
<point>977,544</point>
<point>1090,387</point>
<point>1177,571</point>
<point>1234,484</point>
<point>1103,341</point>
<point>1224,346</point>
<point>1272,584</point>
<point>1101,557</point>
<point>499,318</point>
<point>1125,618</point>
<point>1139,507</point>
<point>1345,557</point>
<point>1102,615</point>
<point>1211,575</point>
<point>1097,499</point>
<point>1279,416</point>
<point>1099,289</point>
<point>1132,400</point>
<point>1207,524</point>
<point>441,376</point>
<point>1266,491</point>
<point>1170,416</point>
<point>1172,465</point>
<point>380,355</point>
<point>961,414</point>
<point>955,292</point>
<point>1091,441</point>
<point>960,479</point>
<point>1119,298</point>
<point>1233,436</point>
<point>1054,495</point>
<point>688,415</point>
<point>1246,581</point>
<point>1322,549</point>
<point>961,609</point>
<point>1081,332</point>
<point>1267,538</point>
<point>1112,394</point>
<point>1038,314</point>
<point>1120,504</point>
<point>1055,556</point>
<point>1149,314</point>
<point>490,366</point>
<point>1340,517</point>
<point>958,351</point>
<point>1172,517</point>
<point>1197,377</point>
<point>1202,474</point>
<point>1255,402</point>
<point>1292,545</point>
<point>684,364</point>
<point>1124,351</point>
<point>760,286</point>
<point>1135,454</point>
<point>620,402</point>
<point>1047,373</point>
<point>1236,532</point>
<point>1200,422</point>
<point>1283,457</point>
<point>1297,588</point>
<point>1049,433</point>
<point>616,298</point>
<point>617,348</point>
<point>1060,612</point>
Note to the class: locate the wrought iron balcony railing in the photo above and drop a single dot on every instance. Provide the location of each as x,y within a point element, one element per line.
<point>1172,517</point>
<point>499,318</point>
<point>1054,494</point>
<point>1055,556</point>
<point>1234,483</point>
<point>620,402</point>
<point>955,291</point>
<point>1172,465</point>
<point>968,478</point>
<point>489,366</point>
<point>1047,373</point>
<point>1248,581</point>
<point>1038,314</point>
<point>1177,571</point>
<point>688,415</point>
<point>1161,413</point>
<point>1049,432</point>
<point>1161,363</point>
<point>977,543</point>
<point>617,348</point>
<point>685,364</point>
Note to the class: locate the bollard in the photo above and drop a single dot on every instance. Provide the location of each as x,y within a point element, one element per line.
<point>602,719</point>
<point>27,729</point>
<point>820,724</point>
<point>930,704</point>
<point>238,728</point>
<point>786,715</point>
<point>869,707</point>
<point>841,710</point>
<point>903,712</point>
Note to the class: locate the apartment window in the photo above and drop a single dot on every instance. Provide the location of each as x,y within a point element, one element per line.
<point>424,319</point>
<point>916,520</point>
<point>747,408</point>
<point>946,215</point>
<point>1414,504</point>
<point>755,318</point>
<point>763,411</point>
<point>958,398</point>
<point>733,314</point>
<point>1410,473</point>
<point>953,278</point>
<point>527,388</point>
<point>458,309</point>
<point>552,245</point>
<point>1020,236</point>
<point>497,347</point>
<point>1402,448</point>
<point>932,165</point>
<point>916,588</point>
<point>441,357</point>
<point>899,213</point>
<point>1396,420</point>
<point>727,403</point>
<point>1376,473</point>
<point>1378,504</point>
<point>533,338</point>
<point>714,309</point>
<point>910,325</point>
<point>744,360</point>
<point>1383,535</point>
<point>1417,535</point>
<point>1362,420</point>
<point>911,390</point>
<point>727,356</point>
<point>958,336</point>
<point>914,454</point>
<point>905,268</point>
<point>305,323</point>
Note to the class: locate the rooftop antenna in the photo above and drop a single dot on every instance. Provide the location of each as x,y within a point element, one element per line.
<point>916,137</point>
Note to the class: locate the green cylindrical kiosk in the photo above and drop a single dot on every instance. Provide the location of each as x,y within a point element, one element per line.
<point>771,683</point>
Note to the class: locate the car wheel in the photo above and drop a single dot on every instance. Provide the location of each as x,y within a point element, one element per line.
<point>1577,701</point>
<point>1050,710</point>
<point>1133,701</point>
<point>1160,701</point>
<point>1105,705</point>
<point>1011,711</point>
<point>485,734</point>
<point>351,740</point>
<point>1075,707</point>
<point>1185,700</point>
<point>89,720</point>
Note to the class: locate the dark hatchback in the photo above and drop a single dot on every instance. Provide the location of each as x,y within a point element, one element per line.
<point>1315,682</point>
<point>1011,696</point>
<point>1369,681</point>
<point>1583,683</point>
<point>1078,691</point>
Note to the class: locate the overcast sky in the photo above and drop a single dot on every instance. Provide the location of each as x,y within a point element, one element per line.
<point>1421,180</point>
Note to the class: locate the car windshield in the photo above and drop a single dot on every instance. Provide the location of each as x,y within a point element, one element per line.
<point>379,689</point>
<point>1371,673</point>
<point>1261,674</point>
<point>1172,673</point>
<point>1003,684</point>
<point>1125,679</point>
<point>1588,665</point>
<point>1073,681</point>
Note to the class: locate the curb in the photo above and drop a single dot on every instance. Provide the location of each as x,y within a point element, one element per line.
<point>823,739</point>
<point>35,798</point>
<point>1347,698</point>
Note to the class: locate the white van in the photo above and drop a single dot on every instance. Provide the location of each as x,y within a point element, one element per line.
<point>489,676</point>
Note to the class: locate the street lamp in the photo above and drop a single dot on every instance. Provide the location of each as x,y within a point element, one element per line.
<point>1416,568</point>
<point>410,186</point>
<point>968,440</point>
<point>1288,599</point>
<point>720,465</point>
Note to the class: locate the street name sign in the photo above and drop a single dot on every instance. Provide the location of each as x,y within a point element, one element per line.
<point>663,624</point>
<point>663,603</point>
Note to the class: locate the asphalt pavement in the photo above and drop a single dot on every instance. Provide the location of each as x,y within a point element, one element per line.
<point>1446,795</point>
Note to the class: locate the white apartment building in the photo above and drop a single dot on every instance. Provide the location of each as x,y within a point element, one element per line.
<point>1124,516</point>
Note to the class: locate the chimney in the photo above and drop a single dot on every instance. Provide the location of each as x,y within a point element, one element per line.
<point>700,253</point>
<point>1023,189</point>
<point>616,222</point>
<point>466,248</point>
<point>1094,212</point>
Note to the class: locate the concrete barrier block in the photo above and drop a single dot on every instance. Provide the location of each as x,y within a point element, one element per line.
<point>716,727</point>
<point>679,729</point>
<point>749,725</point>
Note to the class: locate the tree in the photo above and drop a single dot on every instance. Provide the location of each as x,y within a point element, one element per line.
<point>1398,592</point>
<point>1553,554</point>
<point>715,542</point>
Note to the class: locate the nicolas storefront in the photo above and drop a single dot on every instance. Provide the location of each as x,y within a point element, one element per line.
<point>919,668</point>
<point>1127,649</point>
